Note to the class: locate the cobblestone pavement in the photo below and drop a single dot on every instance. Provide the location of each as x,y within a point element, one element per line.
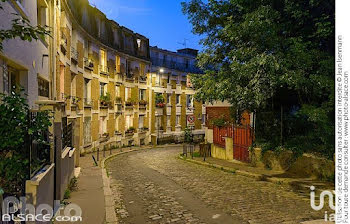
<point>153,186</point>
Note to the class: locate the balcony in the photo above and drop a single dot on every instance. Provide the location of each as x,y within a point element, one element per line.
<point>129,105</point>
<point>175,65</point>
<point>103,70</point>
<point>143,130</point>
<point>74,100</point>
<point>118,77</point>
<point>63,43</point>
<point>142,104</point>
<point>143,79</point>
<point>74,55</point>
<point>130,76</point>
<point>88,64</point>
<point>88,103</point>
<point>104,137</point>
<point>118,109</point>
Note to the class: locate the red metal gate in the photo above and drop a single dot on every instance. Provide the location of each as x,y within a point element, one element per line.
<point>218,136</point>
<point>242,139</point>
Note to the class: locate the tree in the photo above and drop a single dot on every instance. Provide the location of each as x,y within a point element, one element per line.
<point>269,55</point>
<point>22,29</point>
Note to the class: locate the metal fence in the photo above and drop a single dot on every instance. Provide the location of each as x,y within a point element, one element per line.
<point>38,147</point>
<point>242,136</point>
<point>67,133</point>
<point>175,65</point>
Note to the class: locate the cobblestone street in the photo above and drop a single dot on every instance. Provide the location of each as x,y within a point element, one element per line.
<point>153,186</point>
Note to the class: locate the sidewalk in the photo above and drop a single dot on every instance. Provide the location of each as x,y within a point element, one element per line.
<point>90,195</point>
<point>298,184</point>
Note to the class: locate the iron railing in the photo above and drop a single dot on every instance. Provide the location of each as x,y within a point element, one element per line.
<point>39,147</point>
<point>175,65</point>
<point>103,69</point>
<point>67,133</point>
<point>88,63</point>
<point>74,55</point>
<point>88,102</point>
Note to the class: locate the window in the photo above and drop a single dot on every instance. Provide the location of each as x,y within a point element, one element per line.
<point>159,123</point>
<point>169,79</point>
<point>203,118</point>
<point>177,98</point>
<point>168,98</point>
<point>178,119</point>
<point>42,13</point>
<point>87,130</point>
<point>43,87</point>
<point>168,121</point>
<point>189,101</point>
<point>186,63</point>
<point>141,121</point>
<point>73,84</point>
<point>117,63</point>
<point>103,89</point>
<point>139,43</point>
<point>158,79</point>
<point>103,60</point>
<point>128,122</point>
<point>87,89</point>
<point>117,91</point>
<point>127,93</point>
<point>103,126</point>
<point>86,48</point>
<point>10,78</point>
<point>142,94</point>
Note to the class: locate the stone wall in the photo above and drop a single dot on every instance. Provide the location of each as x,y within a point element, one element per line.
<point>303,166</point>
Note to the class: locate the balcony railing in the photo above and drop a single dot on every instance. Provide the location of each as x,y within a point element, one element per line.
<point>175,65</point>
<point>75,100</point>
<point>74,55</point>
<point>143,79</point>
<point>88,64</point>
<point>88,102</point>
<point>103,69</point>
<point>67,140</point>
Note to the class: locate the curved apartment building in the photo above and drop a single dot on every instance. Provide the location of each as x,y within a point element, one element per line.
<point>113,93</point>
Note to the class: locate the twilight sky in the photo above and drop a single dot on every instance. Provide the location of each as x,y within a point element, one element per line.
<point>161,21</point>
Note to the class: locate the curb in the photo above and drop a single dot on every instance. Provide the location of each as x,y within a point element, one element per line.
<point>239,172</point>
<point>110,215</point>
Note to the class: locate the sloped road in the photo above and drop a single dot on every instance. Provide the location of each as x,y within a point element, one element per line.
<point>153,186</point>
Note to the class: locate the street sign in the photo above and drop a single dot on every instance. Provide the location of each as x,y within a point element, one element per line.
<point>191,119</point>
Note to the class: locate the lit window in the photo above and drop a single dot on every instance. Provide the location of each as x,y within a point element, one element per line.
<point>189,101</point>
<point>127,93</point>
<point>141,121</point>
<point>142,94</point>
<point>139,43</point>
<point>102,88</point>
<point>178,118</point>
<point>169,98</point>
<point>117,91</point>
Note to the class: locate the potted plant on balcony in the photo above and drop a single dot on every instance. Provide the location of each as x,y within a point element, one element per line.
<point>160,101</point>
<point>143,102</point>
<point>118,100</point>
<point>130,130</point>
<point>129,102</point>
<point>105,99</point>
